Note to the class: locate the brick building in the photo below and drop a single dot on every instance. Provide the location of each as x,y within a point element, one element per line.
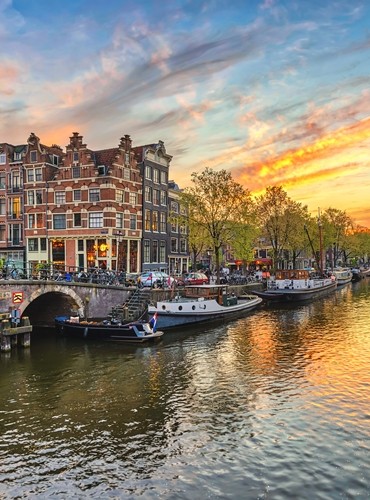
<point>84,208</point>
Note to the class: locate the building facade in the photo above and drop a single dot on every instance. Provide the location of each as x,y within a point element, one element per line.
<point>154,165</point>
<point>178,256</point>
<point>84,208</point>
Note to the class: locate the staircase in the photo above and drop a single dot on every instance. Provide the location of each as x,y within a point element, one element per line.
<point>134,308</point>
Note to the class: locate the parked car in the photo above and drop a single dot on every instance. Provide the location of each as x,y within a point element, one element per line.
<point>155,279</point>
<point>196,279</point>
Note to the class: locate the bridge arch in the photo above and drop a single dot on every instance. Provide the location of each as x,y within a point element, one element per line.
<point>42,308</point>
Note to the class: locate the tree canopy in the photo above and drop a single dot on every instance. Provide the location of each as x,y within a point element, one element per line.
<point>219,207</point>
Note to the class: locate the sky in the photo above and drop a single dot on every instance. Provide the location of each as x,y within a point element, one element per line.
<point>277,92</point>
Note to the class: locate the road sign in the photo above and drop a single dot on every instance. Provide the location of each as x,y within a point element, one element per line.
<point>17,297</point>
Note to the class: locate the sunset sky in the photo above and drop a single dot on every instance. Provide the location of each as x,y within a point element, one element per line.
<point>275,91</point>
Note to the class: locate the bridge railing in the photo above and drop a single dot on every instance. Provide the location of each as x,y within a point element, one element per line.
<point>69,274</point>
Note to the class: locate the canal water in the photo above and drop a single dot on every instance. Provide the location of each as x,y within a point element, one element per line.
<point>275,405</point>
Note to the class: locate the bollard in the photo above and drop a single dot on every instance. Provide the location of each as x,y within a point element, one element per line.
<point>25,321</point>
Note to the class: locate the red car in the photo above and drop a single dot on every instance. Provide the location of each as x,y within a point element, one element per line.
<point>196,279</point>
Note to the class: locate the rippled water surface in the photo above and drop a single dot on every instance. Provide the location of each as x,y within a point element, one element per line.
<point>274,405</point>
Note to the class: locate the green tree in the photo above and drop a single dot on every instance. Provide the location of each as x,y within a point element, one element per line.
<point>337,228</point>
<point>219,207</point>
<point>282,223</point>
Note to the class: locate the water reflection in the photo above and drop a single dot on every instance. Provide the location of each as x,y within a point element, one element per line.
<point>263,404</point>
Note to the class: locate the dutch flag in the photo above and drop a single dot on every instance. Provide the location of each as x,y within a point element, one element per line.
<point>153,322</point>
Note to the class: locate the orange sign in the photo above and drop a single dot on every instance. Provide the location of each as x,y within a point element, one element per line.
<point>17,297</point>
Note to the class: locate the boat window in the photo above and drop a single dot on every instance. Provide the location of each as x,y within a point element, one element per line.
<point>163,307</point>
<point>193,307</point>
<point>180,308</point>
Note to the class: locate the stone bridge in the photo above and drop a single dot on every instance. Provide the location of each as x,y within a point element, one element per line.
<point>41,301</point>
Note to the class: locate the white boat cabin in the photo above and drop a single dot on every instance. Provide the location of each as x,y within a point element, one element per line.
<point>295,279</point>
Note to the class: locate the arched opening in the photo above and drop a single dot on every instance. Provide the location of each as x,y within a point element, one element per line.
<point>43,309</point>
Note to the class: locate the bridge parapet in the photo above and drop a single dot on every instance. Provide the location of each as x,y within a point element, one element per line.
<point>87,299</point>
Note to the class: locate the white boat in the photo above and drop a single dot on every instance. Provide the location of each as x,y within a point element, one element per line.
<point>343,275</point>
<point>199,304</point>
<point>296,285</point>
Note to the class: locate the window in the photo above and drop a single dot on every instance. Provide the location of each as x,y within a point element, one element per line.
<point>17,156</point>
<point>146,253</point>
<point>162,251</point>
<point>38,174</point>
<point>133,199</point>
<point>77,220</point>
<point>174,227</point>
<point>80,245</point>
<point>155,221</point>
<point>154,251</point>
<point>148,193</point>
<point>33,156</point>
<point>60,197</point>
<point>2,180</point>
<point>174,207</point>
<point>119,220</point>
<point>76,156</point>
<point>147,220</point>
<point>2,232</point>
<point>163,223</point>
<point>95,219</point>
<point>120,196</point>
<point>126,174</point>
<point>59,221</point>
<point>39,221</point>
<point>15,208</point>
<point>33,245</point>
<point>2,206</point>
<point>156,196</point>
<point>94,194</point>
<point>76,172</point>
<point>163,177</point>
<point>55,160</point>
<point>39,197</point>
<point>174,245</point>
<point>30,197</point>
<point>163,198</point>
<point>43,244</point>
<point>183,245</point>
<point>2,159</point>
<point>148,172</point>
<point>31,221</point>
<point>30,175</point>
<point>16,181</point>
<point>127,159</point>
<point>133,221</point>
<point>77,195</point>
<point>156,175</point>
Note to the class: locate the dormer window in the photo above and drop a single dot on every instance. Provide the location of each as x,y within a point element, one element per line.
<point>17,156</point>
<point>55,160</point>
<point>33,156</point>
<point>2,158</point>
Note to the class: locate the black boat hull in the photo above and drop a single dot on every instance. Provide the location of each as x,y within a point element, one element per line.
<point>90,330</point>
